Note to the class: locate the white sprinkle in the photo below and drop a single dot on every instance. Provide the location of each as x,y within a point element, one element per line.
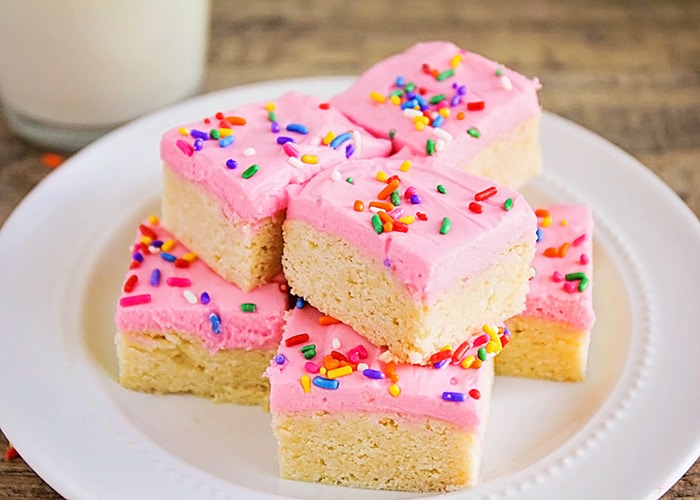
<point>441,133</point>
<point>439,145</point>
<point>362,367</point>
<point>506,83</point>
<point>189,296</point>
<point>412,113</point>
<point>357,140</point>
<point>335,343</point>
<point>153,249</point>
<point>295,162</point>
<point>248,151</point>
<point>336,176</point>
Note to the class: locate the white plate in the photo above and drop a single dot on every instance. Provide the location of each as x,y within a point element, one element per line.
<point>629,431</point>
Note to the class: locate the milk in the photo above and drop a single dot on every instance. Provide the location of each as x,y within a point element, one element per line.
<point>94,64</point>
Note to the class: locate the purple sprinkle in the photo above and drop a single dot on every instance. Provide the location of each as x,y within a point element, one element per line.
<point>415,199</point>
<point>204,298</point>
<point>462,90</point>
<point>198,134</point>
<point>441,363</point>
<point>457,397</point>
<point>156,243</point>
<point>155,277</point>
<point>274,127</point>
<point>231,163</point>
<point>198,144</point>
<point>137,257</point>
<point>387,262</point>
<point>456,100</point>
<point>375,374</point>
<point>349,150</point>
<point>283,139</point>
<point>410,95</point>
<point>280,359</point>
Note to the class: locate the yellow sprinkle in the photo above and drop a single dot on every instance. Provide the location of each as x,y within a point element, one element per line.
<point>490,330</point>
<point>377,96</point>
<point>153,219</point>
<point>190,257</point>
<point>339,372</point>
<point>395,100</point>
<point>394,390</point>
<point>420,125</point>
<point>328,138</point>
<point>184,131</point>
<point>422,119</point>
<point>168,245</point>
<point>270,106</point>
<point>309,159</point>
<point>225,132</point>
<point>408,219</point>
<point>468,361</point>
<point>547,221</point>
<point>405,166</point>
<point>446,347</point>
<point>445,112</point>
<point>564,222</point>
<point>322,371</point>
<point>456,59</point>
<point>306,383</point>
<point>381,176</point>
<point>146,240</point>
<point>493,347</point>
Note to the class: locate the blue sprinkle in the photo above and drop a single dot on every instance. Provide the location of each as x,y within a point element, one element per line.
<point>283,139</point>
<point>215,323</point>
<point>539,234</point>
<point>438,121</point>
<point>375,374</point>
<point>421,102</point>
<point>297,127</point>
<point>274,127</point>
<point>168,256</point>
<point>325,383</point>
<point>340,139</point>
<point>137,256</point>
<point>457,397</point>
<point>198,144</point>
<point>409,104</point>
<point>441,363</point>
<point>415,199</point>
<point>226,141</point>
<point>349,150</point>
<point>280,359</point>
<point>204,298</point>
<point>231,163</point>
<point>155,277</point>
<point>198,134</point>
<point>400,81</point>
<point>300,303</point>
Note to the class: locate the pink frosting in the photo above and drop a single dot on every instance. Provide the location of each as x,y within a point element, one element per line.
<point>509,99</point>
<point>421,387</point>
<point>423,259</point>
<point>551,297</point>
<point>268,191</point>
<point>169,310</point>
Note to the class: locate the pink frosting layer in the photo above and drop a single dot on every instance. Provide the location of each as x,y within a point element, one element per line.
<point>508,98</point>
<point>423,259</point>
<point>167,308</point>
<point>566,231</point>
<point>268,191</point>
<point>421,387</point>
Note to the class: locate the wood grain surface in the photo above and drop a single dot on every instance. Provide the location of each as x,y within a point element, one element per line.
<point>629,71</point>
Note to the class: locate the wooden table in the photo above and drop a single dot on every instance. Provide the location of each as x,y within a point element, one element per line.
<point>630,73</point>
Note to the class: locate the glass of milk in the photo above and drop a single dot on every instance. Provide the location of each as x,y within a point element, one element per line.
<point>71,70</point>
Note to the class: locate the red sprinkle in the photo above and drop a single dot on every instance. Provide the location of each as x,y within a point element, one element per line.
<point>459,352</point>
<point>485,194</point>
<point>441,356</point>
<point>134,300</point>
<point>11,453</point>
<point>476,207</point>
<point>130,283</point>
<point>324,105</point>
<point>476,105</point>
<point>219,115</point>
<point>182,263</point>
<point>475,393</point>
<point>134,265</point>
<point>400,226</point>
<point>147,231</point>
<point>421,216</point>
<point>296,339</point>
<point>339,356</point>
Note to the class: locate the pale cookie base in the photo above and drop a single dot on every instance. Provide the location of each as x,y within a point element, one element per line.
<point>176,363</point>
<point>544,350</point>
<point>512,160</point>
<point>340,280</point>
<point>376,451</point>
<point>242,254</point>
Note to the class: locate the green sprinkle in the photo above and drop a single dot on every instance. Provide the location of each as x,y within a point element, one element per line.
<point>214,134</point>
<point>474,132</point>
<point>392,133</point>
<point>271,116</point>
<point>377,224</point>
<point>308,347</point>
<point>445,74</point>
<point>508,204</point>
<point>441,189</point>
<point>250,171</point>
<point>350,180</point>
<point>446,225</point>
<point>410,87</point>
<point>395,198</point>
<point>575,276</point>
<point>583,284</point>
<point>499,71</point>
<point>430,147</point>
<point>248,307</point>
<point>436,99</point>
<point>482,354</point>
<point>396,93</point>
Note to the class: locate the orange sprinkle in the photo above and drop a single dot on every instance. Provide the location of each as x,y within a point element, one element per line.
<point>563,249</point>
<point>52,160</point>
<point>359,206</point>
<point>327,320</point>
<point>383,205</point>
<point>388,226</point>
<point>551,252</point>
<point>542,212</point>
<point>390,188</point>
<point>236,120</point>
<point>461,115</point>
<point>477,364</point>
<point>153,220</point>
<point>330,363</point>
